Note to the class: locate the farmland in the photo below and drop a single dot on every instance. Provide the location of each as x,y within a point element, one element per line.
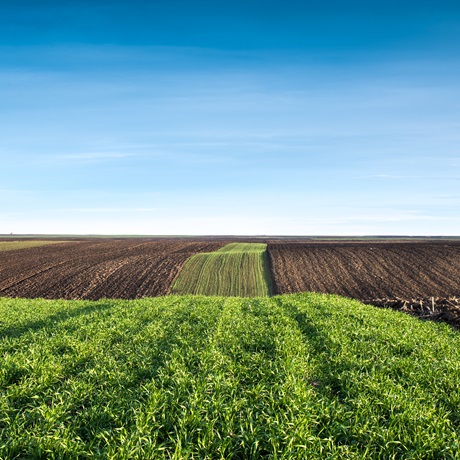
<point>254,376</point>
<point>14,245</point>
<point>133,268</point>
<point>367,270</point>
<point>296,376</point>
<point>421,278</point>
<point>237,269</point>
<point>94,269</point>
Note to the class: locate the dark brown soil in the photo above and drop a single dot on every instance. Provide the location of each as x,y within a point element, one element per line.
<point>384,273</point>
<point>95,269</point>
<point>419,277</point>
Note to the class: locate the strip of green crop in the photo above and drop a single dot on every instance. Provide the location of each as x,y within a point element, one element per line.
<point>288,377</point>
<point>243,247</point>
<point>237,269</point>
<point>12,245</point>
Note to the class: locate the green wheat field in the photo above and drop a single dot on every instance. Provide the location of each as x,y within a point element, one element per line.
<point>237,269</point>
<point>192,377</point>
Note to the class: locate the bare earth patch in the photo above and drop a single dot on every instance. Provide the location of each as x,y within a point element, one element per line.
<point>421,278</point>
<point>95,269</point>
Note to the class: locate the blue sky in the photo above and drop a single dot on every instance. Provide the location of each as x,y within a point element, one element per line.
<point>230,117</point>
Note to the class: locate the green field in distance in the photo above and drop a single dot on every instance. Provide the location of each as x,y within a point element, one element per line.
<point>289,377</point>
<point>237,269</point>
<point>12,245</point>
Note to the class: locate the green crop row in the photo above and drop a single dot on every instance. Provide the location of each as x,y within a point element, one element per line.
<point>298,376</point>
<point>243,247</point>
<point>237,269</point>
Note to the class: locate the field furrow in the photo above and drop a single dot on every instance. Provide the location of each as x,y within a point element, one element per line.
<point>366,270</point>
<point>93,269</point>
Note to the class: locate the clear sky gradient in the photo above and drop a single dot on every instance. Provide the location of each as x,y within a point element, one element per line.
<point>230,117</point>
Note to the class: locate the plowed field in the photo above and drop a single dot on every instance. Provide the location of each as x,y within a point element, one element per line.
<point>96,269</point>
<point>367,270</point>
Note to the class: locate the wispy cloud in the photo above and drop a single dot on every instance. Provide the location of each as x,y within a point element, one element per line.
<point>106,210</point>
<point>93,156</point>
<point>288,136</point>
<point>402,176</point>
<point>382,216</point>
